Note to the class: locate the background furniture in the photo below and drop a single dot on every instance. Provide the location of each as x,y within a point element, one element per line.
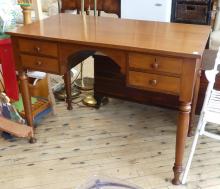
<point>38,9</point>
<point>209,58</point>
<point>108,6</point>
<point>194,11</point>
<point>208,61</point>
<point>215,35</point>
<point>155,10</point>
<point>209,114</point>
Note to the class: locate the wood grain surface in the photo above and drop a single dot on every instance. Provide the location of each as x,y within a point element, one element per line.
<point>143,36</point>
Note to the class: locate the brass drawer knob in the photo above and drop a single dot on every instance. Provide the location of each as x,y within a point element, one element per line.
<point>155,65</point>
<point>38,63</point>
<point>153,82</point>
<point>37,49</point>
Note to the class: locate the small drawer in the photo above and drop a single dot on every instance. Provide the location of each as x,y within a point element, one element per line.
<point>154,82</point>
<point>155,63</point>
<point>38,47</point>
<point>40,63</point>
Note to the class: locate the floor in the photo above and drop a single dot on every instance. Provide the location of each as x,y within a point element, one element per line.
<point>122,140</point>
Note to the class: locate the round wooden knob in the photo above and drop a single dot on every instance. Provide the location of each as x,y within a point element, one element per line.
<point>37,49</point>
<point>153,82</point>
<point>155,65</point>
<point>38,63</point>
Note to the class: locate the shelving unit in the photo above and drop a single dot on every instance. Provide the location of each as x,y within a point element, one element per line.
<point>192,11</point>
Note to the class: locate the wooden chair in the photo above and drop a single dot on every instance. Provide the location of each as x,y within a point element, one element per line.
<point>108,6</point>
<point>215,34</point>
<point>210,113</point>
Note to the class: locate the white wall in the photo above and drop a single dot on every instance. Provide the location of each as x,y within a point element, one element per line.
<point>155,10</point>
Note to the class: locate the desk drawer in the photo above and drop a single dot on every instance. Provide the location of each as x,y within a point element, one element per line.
<point>155,63</point>
<point>154,82</point>
<point>38,47</point>
<point>40,63</point>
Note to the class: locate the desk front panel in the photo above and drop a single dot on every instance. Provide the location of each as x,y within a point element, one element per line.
<point>145,71</point>
<point>155,63</point>
<point>40,63</point>
<point>38,47</point>
<point>154,82</point>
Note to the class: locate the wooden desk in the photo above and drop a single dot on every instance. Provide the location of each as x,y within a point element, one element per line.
<point>154,56</point>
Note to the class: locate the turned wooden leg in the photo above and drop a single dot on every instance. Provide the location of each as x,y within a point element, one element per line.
<point>26,97</point>
<point>182,129</point>
<point>27,102</point>
<point>67,80</point>
<point>194,103</point>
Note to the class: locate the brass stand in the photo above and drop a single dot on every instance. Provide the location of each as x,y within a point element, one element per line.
<point>84,83</point>
<point>87,83</point>
<point>89,100</point>
<point>61,94</point>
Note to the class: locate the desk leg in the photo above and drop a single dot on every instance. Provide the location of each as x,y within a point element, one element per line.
<point>67,79</point>
<point>194,103</point>
<point>26,101</point>
<point>182,129</point>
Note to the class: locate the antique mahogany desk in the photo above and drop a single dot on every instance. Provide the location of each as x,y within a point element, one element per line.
<point>153,56</point>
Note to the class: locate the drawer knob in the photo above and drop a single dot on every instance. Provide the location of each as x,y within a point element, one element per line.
<point>38,63</point>
<point>37,49</point>
<point>155,65</point>
<point>153,82</point>
<point>158,4</point>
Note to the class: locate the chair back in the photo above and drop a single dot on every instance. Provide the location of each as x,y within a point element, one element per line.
<point>210,75</point>
<point>217,60</point>
<point>217,19</point>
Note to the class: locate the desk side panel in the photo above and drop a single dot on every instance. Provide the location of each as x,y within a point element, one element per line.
<point>190,71</point>
<point>18,64</point>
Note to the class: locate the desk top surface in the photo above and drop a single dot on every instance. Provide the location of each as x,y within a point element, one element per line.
<point>185,40</point>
